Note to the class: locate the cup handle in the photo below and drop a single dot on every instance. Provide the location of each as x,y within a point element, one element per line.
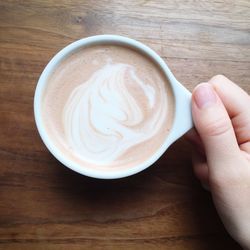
<point>183,120</point>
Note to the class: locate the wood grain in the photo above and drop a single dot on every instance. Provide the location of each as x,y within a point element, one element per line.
<point>43,205</point>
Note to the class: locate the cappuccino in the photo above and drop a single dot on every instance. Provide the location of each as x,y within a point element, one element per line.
<point>108,107</point>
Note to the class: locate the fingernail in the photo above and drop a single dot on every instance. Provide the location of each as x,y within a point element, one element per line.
<point>204,95</point>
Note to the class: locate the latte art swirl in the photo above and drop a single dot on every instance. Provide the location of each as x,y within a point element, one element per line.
<point>111,112</point>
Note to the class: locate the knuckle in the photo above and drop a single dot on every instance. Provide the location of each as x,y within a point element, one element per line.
<point>223,180</point>
<point>234,177</point>
<point>218,182</point>
<point>218,127</point>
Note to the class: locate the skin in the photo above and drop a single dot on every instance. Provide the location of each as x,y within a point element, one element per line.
<point>221,155</point>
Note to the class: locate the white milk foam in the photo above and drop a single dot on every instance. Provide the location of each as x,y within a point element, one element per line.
<point>102,118</point>
<point>108,106</point>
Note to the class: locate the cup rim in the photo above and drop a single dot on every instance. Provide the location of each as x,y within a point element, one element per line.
<point>66,161</point>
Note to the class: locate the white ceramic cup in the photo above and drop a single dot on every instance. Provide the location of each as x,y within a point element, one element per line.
<point>182,119</point>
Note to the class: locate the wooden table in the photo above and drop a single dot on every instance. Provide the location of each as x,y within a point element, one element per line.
<point>43,205</point>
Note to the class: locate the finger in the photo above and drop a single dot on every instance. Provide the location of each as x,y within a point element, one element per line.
<point>215,129</point>
<point>245,147</point>
<point>237,104</point>
<point>193,137</point>
<point>200,167</point>
<point>198,157</point>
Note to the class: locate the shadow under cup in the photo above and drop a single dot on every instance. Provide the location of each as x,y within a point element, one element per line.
<point>105,106</point>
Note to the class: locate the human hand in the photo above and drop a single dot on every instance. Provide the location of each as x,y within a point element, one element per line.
<point>221,159</point>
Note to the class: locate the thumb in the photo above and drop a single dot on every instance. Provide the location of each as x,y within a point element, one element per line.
<point>215,128</point>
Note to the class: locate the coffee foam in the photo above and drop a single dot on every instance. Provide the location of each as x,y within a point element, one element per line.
<point>108,107</point>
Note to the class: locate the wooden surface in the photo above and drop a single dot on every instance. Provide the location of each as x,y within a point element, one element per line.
<point>43,205</point>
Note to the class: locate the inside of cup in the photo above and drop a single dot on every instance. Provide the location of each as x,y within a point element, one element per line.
<point>122,89</point>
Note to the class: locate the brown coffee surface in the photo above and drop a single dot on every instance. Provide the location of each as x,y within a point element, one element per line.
<point>108,107</point>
